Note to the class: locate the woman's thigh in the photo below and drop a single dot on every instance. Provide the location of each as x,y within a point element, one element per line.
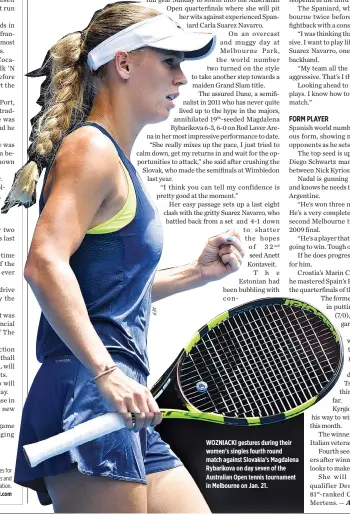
<point>75,492</point>
<point>174,490</point>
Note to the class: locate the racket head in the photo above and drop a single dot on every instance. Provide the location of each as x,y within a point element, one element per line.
<point>259,363</point>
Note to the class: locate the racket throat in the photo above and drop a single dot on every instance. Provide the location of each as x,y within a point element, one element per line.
<point>162,389</point>
<point>165,391</point>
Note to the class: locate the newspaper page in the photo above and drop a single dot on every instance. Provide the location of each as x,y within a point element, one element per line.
<point>258,142</point>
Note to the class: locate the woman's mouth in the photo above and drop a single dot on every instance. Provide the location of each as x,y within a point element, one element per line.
<point>173,96</point>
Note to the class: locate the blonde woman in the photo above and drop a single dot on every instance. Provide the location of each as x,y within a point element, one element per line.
<point>93,259</point>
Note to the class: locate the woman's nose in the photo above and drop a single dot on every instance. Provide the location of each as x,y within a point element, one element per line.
<point>180,78</point>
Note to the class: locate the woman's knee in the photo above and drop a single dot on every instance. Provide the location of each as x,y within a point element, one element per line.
<point>163,492</point>
<point>75,492</point>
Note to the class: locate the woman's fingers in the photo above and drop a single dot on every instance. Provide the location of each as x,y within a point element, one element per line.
<point>231,256</point>
<point>234,242</point>
<point>143,409</point>
<point>129,423</point>
<point>154,409</point>
<point>157,418</point>
<point>139,421</point>
<point>131,399</point>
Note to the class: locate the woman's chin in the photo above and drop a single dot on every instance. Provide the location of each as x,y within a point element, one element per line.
<point>160,116</point>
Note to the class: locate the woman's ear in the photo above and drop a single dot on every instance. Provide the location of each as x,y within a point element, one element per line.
<point>122,64</point>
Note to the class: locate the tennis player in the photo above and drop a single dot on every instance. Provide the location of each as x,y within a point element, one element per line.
<point>93,259</point>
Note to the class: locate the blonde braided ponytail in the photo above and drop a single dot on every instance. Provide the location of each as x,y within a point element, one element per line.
<point>68,92</point>
<point>60,96</point>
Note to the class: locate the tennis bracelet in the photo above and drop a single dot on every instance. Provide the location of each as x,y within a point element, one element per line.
<point>107,369</point>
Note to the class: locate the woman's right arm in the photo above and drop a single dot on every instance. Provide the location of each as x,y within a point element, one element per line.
<point>85,169</point>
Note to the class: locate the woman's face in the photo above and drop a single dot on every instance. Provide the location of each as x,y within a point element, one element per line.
<point>155,78</point>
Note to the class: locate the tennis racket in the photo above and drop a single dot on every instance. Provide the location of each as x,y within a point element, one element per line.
<point>262,362</point>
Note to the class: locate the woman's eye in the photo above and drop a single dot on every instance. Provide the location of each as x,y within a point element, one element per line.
<point>169,62</point>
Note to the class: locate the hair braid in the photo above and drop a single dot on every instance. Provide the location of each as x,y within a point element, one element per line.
<point>60,94</point>
<point>68,92</point>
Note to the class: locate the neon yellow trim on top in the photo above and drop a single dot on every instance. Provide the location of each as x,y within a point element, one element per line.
<point>124,216</point>
<point>193,341</point>
<point>218,319</point>
<point>298,410</point>
<point>308,307</point>
<point>200,416</point>
<point>210,325</point>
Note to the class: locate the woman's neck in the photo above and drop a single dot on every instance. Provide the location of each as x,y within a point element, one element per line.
<point>115,114</point>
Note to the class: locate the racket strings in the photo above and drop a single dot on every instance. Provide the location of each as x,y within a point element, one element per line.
<point>292,350</point>
<point>296,335</point>
<point>209,394</point>
<point>260,362</point>
<point>268,347</point>
<point>221,398</point>
<point>259,389</point>
<point>245,377</point>
<point>265,358</point>
<point>291,358</point>
<point>254,390</point>
<point>250,412</point>
<point>226,380</point>
<point>327,365</point>
<point>269,316</point>
<point>273,379</point>
<point>305,330</point>
<point>316,336</point>
<point>302,328</point>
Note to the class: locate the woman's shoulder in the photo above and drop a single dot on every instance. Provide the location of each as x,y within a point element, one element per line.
<point>88,144</point>
<point>87,151</point>
<point>85,157</point>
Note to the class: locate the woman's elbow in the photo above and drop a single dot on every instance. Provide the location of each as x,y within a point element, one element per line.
<point>31,270</point>
<point>36,265</point>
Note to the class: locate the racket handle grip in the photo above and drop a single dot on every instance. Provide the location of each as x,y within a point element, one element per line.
<point>38,452</point>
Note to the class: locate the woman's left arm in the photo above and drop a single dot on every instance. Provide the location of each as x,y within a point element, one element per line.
<point>222,255</point>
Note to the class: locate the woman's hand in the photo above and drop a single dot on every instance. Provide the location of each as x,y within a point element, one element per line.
<point>129,397</point>
<point>222,255</point>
